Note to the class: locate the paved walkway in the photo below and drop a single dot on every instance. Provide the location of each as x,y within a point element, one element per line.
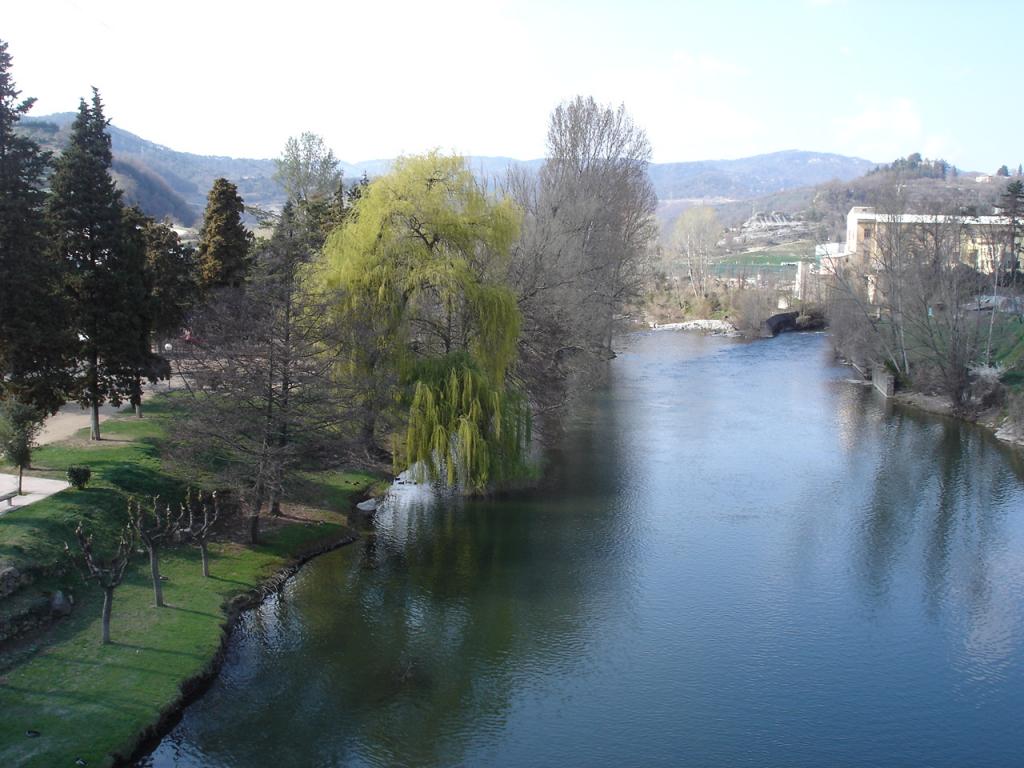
<point>35,488</point>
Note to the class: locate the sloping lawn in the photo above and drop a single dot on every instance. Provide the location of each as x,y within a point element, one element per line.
<point>87,700</point>
<point>125,463</point>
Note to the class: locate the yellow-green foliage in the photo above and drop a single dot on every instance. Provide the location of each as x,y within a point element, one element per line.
<point>420,267</point>
<point>462,428</point>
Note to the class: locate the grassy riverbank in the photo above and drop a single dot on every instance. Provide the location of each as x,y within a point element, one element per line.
<point>87,700</point>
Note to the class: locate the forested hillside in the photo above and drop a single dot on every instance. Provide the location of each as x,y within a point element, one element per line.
<point>168,183</point>
<point>830,202</point>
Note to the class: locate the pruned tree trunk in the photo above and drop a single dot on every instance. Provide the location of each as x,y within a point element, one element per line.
<point>254,516</point>
<point>137,396</point>
<point>995,304</point>
<point>369,432</point>
<point>108,573</point>
<point>154,570</point>
<point>94,425</point>
<point>108,601</point>
<point>94,394</point>
<point>205,552</point>
<point>21,473</point>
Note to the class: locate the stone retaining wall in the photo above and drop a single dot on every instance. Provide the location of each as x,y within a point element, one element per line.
<point>36,616</point>
<point>883,381</point>
<point>11,580</point>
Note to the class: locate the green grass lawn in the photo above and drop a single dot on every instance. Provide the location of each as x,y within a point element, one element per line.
<point>88,700</point>
<point>772,255</point>
<point>1009,345</point>
<point>125,463</point>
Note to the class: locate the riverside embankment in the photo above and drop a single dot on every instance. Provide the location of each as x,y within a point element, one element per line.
<point>65,696</point>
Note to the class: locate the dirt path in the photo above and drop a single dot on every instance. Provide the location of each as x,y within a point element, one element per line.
<point>72,417</point>
<point>68,420</point>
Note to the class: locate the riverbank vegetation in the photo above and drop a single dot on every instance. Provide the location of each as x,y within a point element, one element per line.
<point>914,306</point>
<point>702,275</point>
<point>86,699</point>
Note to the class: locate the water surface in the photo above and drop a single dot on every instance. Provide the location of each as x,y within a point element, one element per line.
<point>740,561</point>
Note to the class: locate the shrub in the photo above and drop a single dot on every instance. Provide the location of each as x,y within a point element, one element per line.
<point>750,308</point>
<point>986,389</point>
<point>78,475</point>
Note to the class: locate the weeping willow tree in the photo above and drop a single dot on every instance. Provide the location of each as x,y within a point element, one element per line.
<point>419,268</point>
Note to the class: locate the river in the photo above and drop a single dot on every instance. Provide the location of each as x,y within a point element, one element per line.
<point>738,559</point>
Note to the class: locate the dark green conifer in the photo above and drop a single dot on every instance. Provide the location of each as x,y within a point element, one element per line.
<point>33,337</point>
<point>146,364</point>
<point>224,242</point>
<point>103,256</point>
<point>173,274</point>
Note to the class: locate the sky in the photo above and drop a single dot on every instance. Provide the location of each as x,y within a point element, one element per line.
<point>376,79</point>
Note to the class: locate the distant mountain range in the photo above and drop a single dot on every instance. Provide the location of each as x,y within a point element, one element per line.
<point>168,183</point>
<point>750,177</point>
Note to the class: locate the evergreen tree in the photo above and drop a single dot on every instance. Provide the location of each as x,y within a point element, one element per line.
<point>33,336</point>
<point>172,269</point>
<point>19,427</point>
<point>141,280</point>
<point>168,293</point>
<point>102,262</point>
<point>224,242</point>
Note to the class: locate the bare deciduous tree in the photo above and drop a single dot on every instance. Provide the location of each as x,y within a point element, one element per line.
<point>945,334</point>
<point>585,244</point>
<point>907,302</point>
<point>202,512</point>
<point>307,169</point>
<point>595,186</point>
<point>154,529</point>
<point>694,239</point>
<point>109,572</point>
<point>260,376</point>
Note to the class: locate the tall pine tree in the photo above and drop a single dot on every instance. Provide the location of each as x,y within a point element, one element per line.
<point>33,336</point>
<point>173,278</point>
<point>224,242</point>
<point>164,282</point>
<point>103,258</point>
<point>143,283</point>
